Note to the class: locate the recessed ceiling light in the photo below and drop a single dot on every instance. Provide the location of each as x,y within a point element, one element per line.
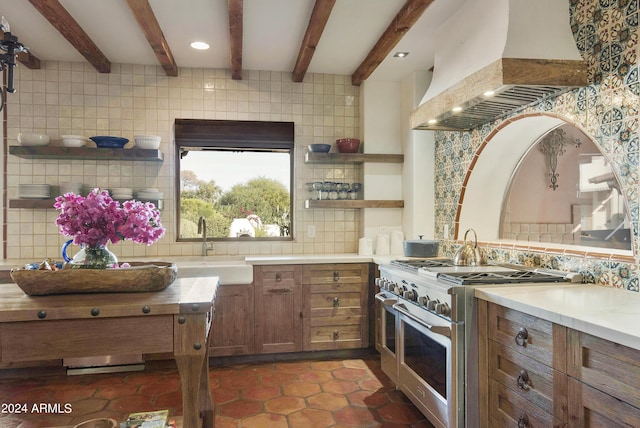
<point>199,45</point>
<point>456,109</point>
<point>489,93</point>
<point>400,54</point>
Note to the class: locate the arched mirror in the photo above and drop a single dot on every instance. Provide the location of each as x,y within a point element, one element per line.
<point>509,193</point>
<point>564,191</point>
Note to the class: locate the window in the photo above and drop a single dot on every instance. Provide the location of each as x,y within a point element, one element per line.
<point>237,175</point>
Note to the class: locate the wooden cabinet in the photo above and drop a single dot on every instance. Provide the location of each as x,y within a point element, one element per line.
<point>278,308</point>
<point>335,306</point>
<point>522,369</point>
<point>232,332</point>
<point>536,373</point>
<point>604,388</point>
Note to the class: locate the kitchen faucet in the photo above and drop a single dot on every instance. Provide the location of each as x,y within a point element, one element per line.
<point>202,228</point>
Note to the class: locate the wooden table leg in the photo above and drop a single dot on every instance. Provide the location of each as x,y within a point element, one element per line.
<point>191,354</point>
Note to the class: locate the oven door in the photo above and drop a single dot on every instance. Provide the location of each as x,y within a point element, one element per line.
<point>388,336</point>
<point>430,365</point>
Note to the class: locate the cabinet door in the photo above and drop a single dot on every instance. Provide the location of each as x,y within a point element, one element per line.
<point>232,328</point>
<point>278,313</point>
<point>590,408</point>
<point>608,366</point>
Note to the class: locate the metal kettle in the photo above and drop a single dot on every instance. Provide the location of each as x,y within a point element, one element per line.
<point>469,254</point>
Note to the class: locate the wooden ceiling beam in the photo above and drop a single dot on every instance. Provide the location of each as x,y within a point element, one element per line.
<point>319,17</point>
<point>235,32</point>
<point>29,60</point>
<point>401,23</point>
<point>62,21</point>
<point>149,25</point>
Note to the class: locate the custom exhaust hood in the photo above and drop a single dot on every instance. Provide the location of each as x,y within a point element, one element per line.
<point>494,56</point>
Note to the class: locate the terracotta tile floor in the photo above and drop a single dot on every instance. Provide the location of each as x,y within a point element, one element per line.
<point>308,394</point>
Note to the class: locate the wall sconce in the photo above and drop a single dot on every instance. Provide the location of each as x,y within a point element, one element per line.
<point>552,146</point>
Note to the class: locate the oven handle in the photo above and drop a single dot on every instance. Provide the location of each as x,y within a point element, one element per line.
<point>387,302</point>
<point>437,329</point>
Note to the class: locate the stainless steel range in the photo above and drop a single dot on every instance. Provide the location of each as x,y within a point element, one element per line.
<point>427,335</point>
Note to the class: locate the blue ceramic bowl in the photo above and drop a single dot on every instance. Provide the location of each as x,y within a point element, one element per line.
<point>319,148</point>
<point>103,141</point>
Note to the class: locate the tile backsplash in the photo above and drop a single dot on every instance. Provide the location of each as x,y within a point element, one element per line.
<point>606,35</point>
<point>72,98</point>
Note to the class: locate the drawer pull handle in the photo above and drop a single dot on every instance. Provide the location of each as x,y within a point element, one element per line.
<point>278,277</point>
<point>336,335</point>
<point>279,290</point>
<point>336,275</point>
<point>522,336</point>
<point>336,302</point>
<point>523,380</point>
<point>523,421</point>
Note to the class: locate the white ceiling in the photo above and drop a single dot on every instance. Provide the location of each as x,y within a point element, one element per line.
<point>273,32</point>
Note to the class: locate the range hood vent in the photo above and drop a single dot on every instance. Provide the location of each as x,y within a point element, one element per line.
<point>497,56</point>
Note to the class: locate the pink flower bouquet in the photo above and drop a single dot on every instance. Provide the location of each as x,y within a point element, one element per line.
<point>96,219</point>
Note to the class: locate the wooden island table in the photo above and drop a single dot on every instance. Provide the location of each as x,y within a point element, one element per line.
<point>176,319</point>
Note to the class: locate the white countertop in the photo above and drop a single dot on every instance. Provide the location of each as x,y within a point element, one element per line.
<point>609,313</point>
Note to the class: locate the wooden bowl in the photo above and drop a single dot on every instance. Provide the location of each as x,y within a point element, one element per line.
<point>140,277</point>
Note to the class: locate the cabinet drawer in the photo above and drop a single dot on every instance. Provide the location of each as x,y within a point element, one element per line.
<point>334,334</point>
<point>534,337</point>
<point>277,275</point>
<point>335,300</point>
<point>610,367</point>
<point>535,382</point>
<point>335,272</point>
<point>592,408</point>
<point>336,287</point>
<point>341,317</point>
<point>509,409</point>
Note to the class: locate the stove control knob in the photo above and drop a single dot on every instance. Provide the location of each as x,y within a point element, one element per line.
<point>410,294</point>
<point>443,309</point>
<point>431,304</point>
<point>379,282</point>
<point>397,290</point>
<point>423,300</point>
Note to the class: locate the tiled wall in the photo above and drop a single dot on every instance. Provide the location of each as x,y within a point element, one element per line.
<point>73,98</point>
<point>606,34</point>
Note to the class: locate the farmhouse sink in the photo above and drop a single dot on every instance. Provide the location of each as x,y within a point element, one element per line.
<point>229,270</point>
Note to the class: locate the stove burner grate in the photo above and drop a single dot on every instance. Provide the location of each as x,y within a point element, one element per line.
<point>414,265</point>
<point>464,278</point>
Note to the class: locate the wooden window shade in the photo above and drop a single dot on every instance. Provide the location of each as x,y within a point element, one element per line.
<point>233,134</point>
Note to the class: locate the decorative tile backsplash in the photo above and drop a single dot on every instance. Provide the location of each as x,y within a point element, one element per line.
<point>72,98</point>
<point>606,34</point>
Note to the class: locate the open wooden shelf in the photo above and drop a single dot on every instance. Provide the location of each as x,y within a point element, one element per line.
<point>353,204</point>
<point>48,203</point>
<point>313,157</point>
<point>52,152</point>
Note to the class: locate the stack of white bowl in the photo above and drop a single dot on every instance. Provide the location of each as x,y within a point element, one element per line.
<point>122,193</point>
<point>149,194</point>
<point>71,187</point>
<point>73,140</point>
<point>34,191</point>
